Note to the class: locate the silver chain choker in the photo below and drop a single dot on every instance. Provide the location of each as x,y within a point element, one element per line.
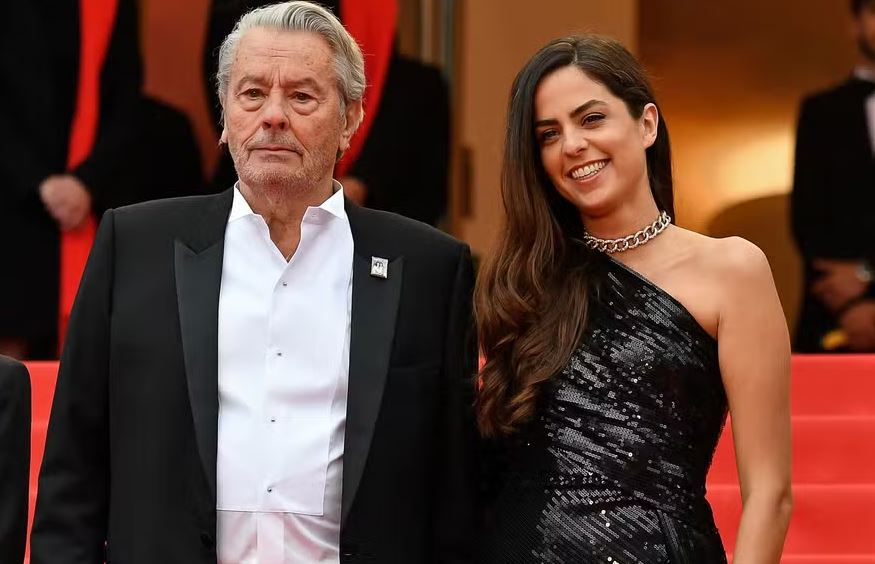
<point>628,242</point>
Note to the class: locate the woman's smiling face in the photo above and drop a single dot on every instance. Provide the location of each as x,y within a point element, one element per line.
<point>592,149</point>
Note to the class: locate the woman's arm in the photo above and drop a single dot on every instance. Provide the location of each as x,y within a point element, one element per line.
<point>754,349</point>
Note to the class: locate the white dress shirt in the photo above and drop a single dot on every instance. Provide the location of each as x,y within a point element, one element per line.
<point>284,331</point>
<point>868,75</point>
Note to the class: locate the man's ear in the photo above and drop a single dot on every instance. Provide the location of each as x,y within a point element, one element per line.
<point>223,138</point>
<point>353,116</point>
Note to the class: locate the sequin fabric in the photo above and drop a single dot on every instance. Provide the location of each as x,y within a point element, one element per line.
<point>613,468</point>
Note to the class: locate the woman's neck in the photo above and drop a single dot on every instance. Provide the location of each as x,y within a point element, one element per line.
<point>623,220</point>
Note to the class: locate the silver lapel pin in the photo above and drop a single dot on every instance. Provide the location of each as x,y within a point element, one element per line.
<point>379,267</point>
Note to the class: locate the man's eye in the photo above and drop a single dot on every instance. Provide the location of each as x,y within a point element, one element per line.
<point>302,97</point>
<point>252,93</point>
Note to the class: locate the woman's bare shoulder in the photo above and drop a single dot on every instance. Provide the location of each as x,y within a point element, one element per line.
<point>731,259</point>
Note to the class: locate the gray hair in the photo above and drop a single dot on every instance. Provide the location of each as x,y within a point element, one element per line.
<point>349,65</point>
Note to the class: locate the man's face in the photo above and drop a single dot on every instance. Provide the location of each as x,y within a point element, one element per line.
<point>283,119</point>
<point>864,27</point>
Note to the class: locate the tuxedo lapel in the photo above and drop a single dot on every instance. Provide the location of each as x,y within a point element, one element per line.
<point>374,311</point>
<point>853,106</point>
<point>198,270</point>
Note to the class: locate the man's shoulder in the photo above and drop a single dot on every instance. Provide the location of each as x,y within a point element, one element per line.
<point>830,95</point>
<point>397,235</point>
<point>13,375</point>
<point>195,220</point>
<point>172,215</point>
<point>8,364</point>
<point>405,234</point>
<point>171,207</point>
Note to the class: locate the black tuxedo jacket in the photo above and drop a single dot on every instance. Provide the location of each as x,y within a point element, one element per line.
<point>833,199</point>
<point>14,458</point>
<point>130,462</point>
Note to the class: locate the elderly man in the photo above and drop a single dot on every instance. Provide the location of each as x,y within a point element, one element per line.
<point>270,374</point>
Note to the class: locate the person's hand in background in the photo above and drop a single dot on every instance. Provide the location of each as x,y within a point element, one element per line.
<point>840,283</point>
<point>66,199</point>
<point>354,189</point>
<point>858,323</point>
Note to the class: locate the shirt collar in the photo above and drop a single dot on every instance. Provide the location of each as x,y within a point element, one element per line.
<point>335,202</point>
<point>333,205</point>
<point>239,207</point>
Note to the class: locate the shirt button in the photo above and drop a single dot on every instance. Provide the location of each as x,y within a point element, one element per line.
<point>269,489</point>
<point>273,419</point>
<point>279,353</point>
<point>285,283</point>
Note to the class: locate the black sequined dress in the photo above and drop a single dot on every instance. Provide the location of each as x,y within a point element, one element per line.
<point>613,468</point>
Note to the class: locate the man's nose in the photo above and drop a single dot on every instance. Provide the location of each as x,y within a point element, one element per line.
<point>274,113</point>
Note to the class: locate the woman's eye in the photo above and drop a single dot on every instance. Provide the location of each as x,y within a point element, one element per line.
<point>593,118</point>
<point>547,135</point>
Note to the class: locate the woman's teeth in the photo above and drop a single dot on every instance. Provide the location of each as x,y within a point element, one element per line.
<point>588,170</point>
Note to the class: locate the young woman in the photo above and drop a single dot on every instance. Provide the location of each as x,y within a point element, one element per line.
<point>616,341</point>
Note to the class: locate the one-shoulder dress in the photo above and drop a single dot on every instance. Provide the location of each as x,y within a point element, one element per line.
<point>612,470</point>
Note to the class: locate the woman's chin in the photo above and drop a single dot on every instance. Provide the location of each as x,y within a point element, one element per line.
<point>592,203</point>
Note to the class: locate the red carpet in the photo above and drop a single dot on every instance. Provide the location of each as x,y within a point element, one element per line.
<point>833,460</point>
<point>833,399</point>
<point>42,379</point>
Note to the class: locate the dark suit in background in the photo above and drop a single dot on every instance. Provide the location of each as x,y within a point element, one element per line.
<point>39,72</point>
<point>161,157</point>
<point>14,458</point>
<point>39,65</point>
<point>833,199</point>
<point>405,160</point>
<point>131,451</point>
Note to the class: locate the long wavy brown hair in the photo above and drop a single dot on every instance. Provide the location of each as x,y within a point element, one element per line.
<point>531,295</point>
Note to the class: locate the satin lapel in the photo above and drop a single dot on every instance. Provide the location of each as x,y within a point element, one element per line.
<point>374,311</point>
<point>198,270</point>
<point>857,138</point>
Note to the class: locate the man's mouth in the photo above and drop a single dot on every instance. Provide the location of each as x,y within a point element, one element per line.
<point>274,148</point>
